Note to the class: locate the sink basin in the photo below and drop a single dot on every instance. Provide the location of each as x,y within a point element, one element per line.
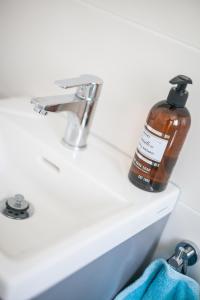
<point>83,203</point>
<point>66,201</point>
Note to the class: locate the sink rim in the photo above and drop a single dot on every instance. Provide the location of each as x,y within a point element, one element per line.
<point>49,267</point>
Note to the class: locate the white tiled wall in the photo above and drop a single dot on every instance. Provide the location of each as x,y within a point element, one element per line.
<point>135,46</point>
<point>178,19</point>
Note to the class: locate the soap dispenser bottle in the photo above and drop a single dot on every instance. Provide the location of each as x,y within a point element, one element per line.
<point>163,136</point>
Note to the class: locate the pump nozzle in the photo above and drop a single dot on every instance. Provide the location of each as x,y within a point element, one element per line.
<point>181,81</point>
<point>178,95</point>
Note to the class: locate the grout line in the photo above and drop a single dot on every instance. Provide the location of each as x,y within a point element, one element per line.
<point>193,210</point>
<point>141,26</point>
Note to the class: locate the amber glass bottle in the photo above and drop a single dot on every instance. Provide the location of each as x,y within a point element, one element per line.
<point>162,139</point>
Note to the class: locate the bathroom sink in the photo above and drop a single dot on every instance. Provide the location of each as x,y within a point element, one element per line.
<point>83,204</point>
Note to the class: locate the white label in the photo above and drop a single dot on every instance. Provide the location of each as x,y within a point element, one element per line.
<point>152,146</point>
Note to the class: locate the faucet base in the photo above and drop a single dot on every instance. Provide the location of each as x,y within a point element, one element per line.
<point>72,147</point>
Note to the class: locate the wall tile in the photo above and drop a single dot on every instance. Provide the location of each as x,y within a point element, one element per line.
<point>178,19</point>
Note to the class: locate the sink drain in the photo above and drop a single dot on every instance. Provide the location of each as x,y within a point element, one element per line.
<point>16,207</point>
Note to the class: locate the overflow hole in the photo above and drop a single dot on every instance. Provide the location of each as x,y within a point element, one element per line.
<point>51,164</point>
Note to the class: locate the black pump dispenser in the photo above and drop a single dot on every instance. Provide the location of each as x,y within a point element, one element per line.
<point>178,95</point>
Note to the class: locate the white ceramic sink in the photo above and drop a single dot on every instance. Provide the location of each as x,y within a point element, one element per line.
<point>83,203</point>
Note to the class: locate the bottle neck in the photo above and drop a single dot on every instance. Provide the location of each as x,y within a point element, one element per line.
<point>177,98</point>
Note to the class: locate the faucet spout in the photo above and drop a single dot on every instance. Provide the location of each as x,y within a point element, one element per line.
<point>55,103</point>
<point>81,106</point>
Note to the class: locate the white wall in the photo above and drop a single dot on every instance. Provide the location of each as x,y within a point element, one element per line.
<point>135,46</point>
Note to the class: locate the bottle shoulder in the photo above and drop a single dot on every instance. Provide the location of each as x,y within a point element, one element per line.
<point>163,115</point>
<point>168,111</point>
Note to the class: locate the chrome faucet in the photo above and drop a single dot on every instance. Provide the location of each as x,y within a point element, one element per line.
<point>81,106</point>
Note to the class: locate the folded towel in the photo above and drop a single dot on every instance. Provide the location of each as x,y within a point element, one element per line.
<point>161,282</point>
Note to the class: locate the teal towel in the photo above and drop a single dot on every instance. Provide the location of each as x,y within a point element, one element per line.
<point>161,282</point>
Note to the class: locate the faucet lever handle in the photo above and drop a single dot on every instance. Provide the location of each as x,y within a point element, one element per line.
<point>83,80</point>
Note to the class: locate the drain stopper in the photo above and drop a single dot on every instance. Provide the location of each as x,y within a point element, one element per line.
<point>17,203</point>
<point>16,207</point>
